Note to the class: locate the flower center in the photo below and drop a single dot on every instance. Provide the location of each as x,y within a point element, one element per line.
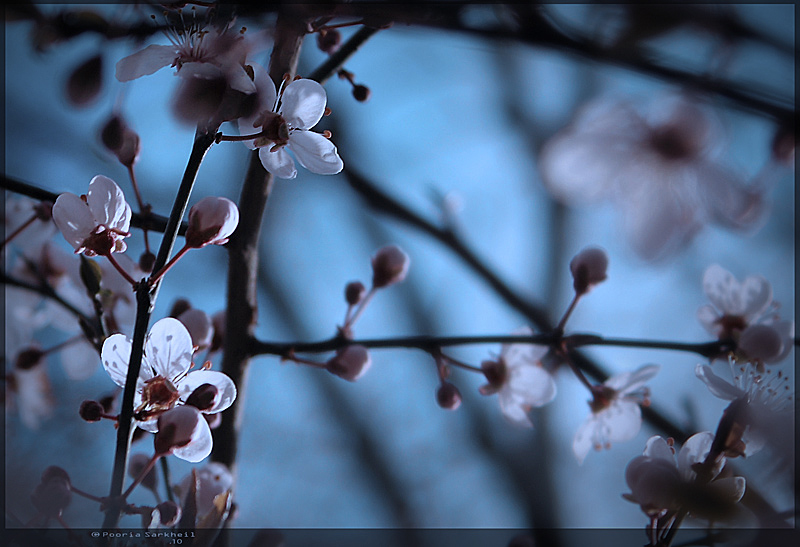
<point>602,397</point>
<point>274,130</point>
<point>158,396</point>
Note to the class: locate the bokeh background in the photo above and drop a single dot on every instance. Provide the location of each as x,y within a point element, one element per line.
<point>452,129</point>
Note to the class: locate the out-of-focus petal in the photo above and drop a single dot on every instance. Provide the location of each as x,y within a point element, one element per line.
<point>624,420</point>
<point>584,438</point>
<point>518,354</point>
<point>628,381</point>
<point>315,152</point>
<point>709,318</point>
<point>657,448</point>
<point>718,387</point>
<point>532,384</point>
<point>145,62</point>
<point>79,360</point>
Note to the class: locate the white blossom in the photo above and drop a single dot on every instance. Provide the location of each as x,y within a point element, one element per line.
<point>615,415</point>
<point>519,379</point>
<point>285,122</point>
<point>97,223</point>
<point>164,378</point>
<point>657,167</point>
<point>745,312</point>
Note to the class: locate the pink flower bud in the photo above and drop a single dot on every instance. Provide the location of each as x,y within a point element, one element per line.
<point>329,41</point>
<point>350,363</point>
<point>448,396</point>
<point>137,464</point>
<point>211,222</point>
<point>85,82</point>
<point>198,323</point>
<point>203,397</point>
<point>588,269</point>
<point>91,411</point>
<point>389,266</point>
<point>761,342</point>
<point>52,495</point>
<point>354,292</point>
<point>176,428</point>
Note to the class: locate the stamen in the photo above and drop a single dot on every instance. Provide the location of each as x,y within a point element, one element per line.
<point>326,134</point>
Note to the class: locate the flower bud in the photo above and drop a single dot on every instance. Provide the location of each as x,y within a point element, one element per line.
<point>129,149</point>
<point>329,41</point>
<point>175,428</point>
<point>169,513</point>
<point>85,82</point>
<point>350,363</point>
<point>29,358</point>
<point>448,396</point>
<point>203,397</point>
<point>146,261</point>
<point>91,411</point>
<point>389,266</point>
<point>761,342</point>
<point>52,495</point>
<point>211,221</point>
<point>354,292</point>
<point>361,93</point>
<point>588,269</point>
<point>198,323</point>
<point>136,464</point>
<point>44,210</point>
<point>112,133</point>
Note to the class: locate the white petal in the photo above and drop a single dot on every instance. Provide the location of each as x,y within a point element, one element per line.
<point>223,383</point>
<point>315,152</point>
<point>531,384</point>
<point>693,451</point>
<point>279,163</point>
<point>728,200</point>
<point>266,101</point>
<point>200,446</point>
<point>708,317</point>
<point>730,489</point>
<point>631,381</point>
<point>144,62</point>
<point>624,420</point>
<point>115,355</point>
<point>73,218</point>
<point>204,71</point>
<point>168,348</point>
<point>718,387</point>
<point>722,289</point>
<point>583,441</point>
<point>513,410</point>
<point>149,425</point>
<point>107,203</point>
<point>303,103</point>
<point>756,295</point>
<point>79,360</point>
<point>239,80</point>
<point>518,354</point>
<point>657,448</point>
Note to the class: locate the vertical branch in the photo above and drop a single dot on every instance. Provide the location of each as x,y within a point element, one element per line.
<point>240,321</point>
<point>145,300</point>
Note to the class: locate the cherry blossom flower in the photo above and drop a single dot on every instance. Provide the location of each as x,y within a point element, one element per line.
<point>195,52</point>
<point>28,388</point>
<point>95,224</point>
<point>164,379</point>
<point>285,122</point>
<point>767,395</point>
<point>657,167</point>
<point>615,414</point>
<point>519,379</point>
<point>662,486</point>
<point>183,432</point>
<point>212,220</point>
<point>744,312</point>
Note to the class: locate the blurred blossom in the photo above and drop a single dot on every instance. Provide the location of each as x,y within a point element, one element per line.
<point>199,325</point>
<point>767,395</point>
<point>285,121</point>
<point>212,480</point>
<point>662,486</point>
<point>519,379</point>
<point>615,415</point>
<point>656,166</point>
<point>745,312</point>
<point>350,363</point>
<point>30,390</point>
<point>588,269</point>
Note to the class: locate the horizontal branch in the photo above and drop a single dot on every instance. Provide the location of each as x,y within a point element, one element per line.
<point>433,343</point>
<point>152,222</point>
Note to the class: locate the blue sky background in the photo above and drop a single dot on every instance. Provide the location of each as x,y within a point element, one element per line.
<point>448,113</point>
